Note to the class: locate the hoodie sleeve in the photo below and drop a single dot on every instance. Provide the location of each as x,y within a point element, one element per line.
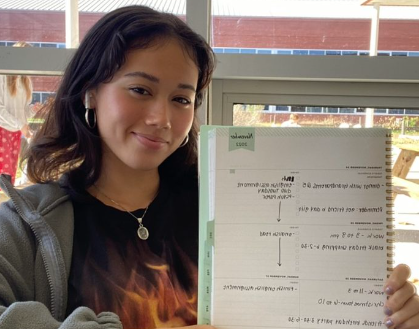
<point>19,290</point>
<point>35,315</point>
<point>18,308</point>
<point>26,301</point>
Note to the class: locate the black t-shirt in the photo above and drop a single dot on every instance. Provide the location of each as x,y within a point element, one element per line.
<point>149,284</point>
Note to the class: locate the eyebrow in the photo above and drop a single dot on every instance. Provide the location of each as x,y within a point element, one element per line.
<point>154,79</point>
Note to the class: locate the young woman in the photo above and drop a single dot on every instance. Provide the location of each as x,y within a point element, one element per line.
<point>15,99</point>
<point>109,237</point>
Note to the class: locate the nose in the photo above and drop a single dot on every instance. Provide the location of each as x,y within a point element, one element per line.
<point>158,114</point>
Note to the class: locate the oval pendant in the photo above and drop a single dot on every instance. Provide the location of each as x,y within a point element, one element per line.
<point>142,233</point>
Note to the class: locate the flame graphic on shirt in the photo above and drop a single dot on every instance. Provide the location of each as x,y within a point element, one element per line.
<point>145,290</point>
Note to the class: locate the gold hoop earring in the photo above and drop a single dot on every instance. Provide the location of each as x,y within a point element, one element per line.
<point>90,113</point>
<point>185,141</point>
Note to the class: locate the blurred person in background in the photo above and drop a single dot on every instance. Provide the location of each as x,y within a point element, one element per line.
<point>292,122</point>
<point>15,110</point>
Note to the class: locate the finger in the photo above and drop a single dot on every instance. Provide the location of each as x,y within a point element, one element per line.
<point>412,323</point>
<point>407,317</point>
<point>397,279</point>
<point>397,300</point>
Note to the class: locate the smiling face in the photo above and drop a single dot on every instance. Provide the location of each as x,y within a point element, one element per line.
<point>145,112</point>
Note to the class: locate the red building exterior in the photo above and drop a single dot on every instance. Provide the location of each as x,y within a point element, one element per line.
<point>313,33</point>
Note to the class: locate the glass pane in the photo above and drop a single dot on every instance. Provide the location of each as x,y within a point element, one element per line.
<point>311,27</point>
<point>43,91</point>
<point>42,23</point>
<point>40,28</point>
<point>90,14</point>
<point>401,121</point>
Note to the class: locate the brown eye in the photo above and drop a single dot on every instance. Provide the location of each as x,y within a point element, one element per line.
<point>182,100</point>
<point>140,91</point>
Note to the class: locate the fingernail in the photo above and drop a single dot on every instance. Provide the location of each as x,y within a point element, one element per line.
<point>387,311</point>
<point>389,323</point>
<point>389,291</point>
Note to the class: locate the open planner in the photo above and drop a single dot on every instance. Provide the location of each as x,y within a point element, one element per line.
<point>295,227</point>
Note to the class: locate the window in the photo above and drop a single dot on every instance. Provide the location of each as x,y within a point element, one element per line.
<point>310,27</point>
<point>401,121</point>
<point>346,110</point>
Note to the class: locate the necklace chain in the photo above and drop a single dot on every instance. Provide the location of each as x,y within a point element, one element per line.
<point>142,230</point>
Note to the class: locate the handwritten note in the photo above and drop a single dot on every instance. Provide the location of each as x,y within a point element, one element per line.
<point>300,228</point>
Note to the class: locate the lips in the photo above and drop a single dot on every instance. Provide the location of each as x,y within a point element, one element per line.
<point>150,141</point>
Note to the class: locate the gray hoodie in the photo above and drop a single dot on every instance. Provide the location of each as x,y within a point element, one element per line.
<point>36,241</point>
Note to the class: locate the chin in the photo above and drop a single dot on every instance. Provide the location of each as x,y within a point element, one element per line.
<point>143,166</point>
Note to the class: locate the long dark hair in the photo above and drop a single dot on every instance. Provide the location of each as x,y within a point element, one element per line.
<point>64,143</point>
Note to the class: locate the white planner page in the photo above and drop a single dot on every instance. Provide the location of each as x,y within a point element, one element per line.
<point>300,228</point>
